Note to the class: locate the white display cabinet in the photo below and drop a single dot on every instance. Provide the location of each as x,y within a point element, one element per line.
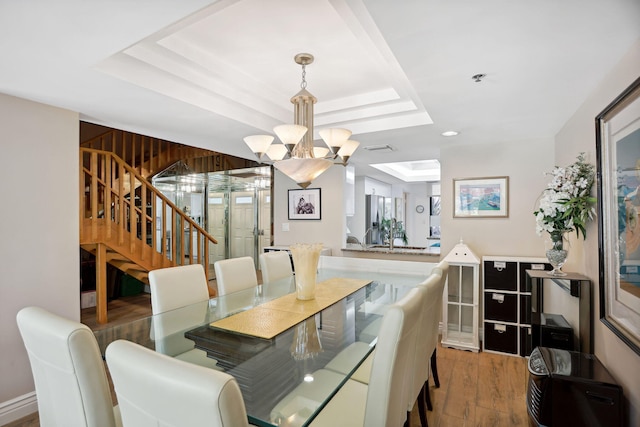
<point>460,302</point>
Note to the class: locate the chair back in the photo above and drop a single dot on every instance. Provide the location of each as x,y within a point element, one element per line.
<point>157,390</point>
<point>427,334</point>
<point>235,274</point>
<point>275,265</point>
<point>176,287</point>
<point>443,267</point>
<point>68,371</point>
<point>394,361</point>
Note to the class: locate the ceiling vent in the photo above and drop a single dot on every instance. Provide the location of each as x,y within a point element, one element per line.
<point>378,148</point>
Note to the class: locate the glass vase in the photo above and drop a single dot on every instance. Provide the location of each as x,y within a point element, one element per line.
<point>306,342</point>
<point>557,252</point>
<point>305,263</point>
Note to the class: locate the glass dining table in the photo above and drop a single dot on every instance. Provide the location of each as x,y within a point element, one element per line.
<point>287,379</point>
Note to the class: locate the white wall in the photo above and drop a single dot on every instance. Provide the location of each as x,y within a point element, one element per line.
<point>330,230</point>
<point>39,255</point>
<point>379,188</point>
<point>417,224</point>
<point>524,163</point>
<point>578,135</point>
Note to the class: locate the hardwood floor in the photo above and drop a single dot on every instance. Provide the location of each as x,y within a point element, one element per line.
<point>476,389</point>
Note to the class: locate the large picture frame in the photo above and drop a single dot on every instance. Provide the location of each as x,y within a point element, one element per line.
<point>305,204</point>
<point>481,197</point>
<point>618,157</point>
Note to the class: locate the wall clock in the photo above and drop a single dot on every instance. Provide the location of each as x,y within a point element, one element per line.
<point>419,208</point>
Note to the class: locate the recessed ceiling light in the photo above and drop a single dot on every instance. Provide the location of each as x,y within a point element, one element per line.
<point>449,133</point>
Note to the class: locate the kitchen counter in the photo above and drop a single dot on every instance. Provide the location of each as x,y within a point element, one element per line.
<point>397,250</point>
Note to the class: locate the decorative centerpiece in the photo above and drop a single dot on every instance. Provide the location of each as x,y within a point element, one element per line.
<point>566,205</point>
<point>305,263</point>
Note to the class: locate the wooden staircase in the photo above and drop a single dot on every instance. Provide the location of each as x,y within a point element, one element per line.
<point>114,163</point>
<point>135,230</point>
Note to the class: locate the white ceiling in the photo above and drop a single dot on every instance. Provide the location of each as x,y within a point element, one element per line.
<point>399,73</point>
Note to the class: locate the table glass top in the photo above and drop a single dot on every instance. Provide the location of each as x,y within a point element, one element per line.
<point>287,379</point>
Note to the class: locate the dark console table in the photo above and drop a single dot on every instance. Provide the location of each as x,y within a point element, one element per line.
<point>576,285</point>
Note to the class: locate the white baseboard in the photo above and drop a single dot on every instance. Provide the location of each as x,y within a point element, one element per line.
<point>17,408</point>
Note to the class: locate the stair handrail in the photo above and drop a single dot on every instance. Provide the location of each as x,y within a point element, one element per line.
<point>104,168</point>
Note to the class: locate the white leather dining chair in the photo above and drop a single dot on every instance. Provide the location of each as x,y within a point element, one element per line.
<point>179,286</point>
<point>70,378</point>
<point>443,268</point>
<point>235,274</point>
<point>275,265</point>
<point>383,401</point>
<point>154,389</point>
<point>429,323</point>
<point>179,301</point>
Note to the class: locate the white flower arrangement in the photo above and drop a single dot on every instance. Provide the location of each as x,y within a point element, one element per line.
<point>566,204</point>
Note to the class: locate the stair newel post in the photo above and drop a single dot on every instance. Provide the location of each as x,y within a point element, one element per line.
<point>101,283</point>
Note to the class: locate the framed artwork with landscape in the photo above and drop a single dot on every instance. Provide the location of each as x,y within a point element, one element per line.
<point>618,152</point>
<point>305,204</point>
<point>481,197</point>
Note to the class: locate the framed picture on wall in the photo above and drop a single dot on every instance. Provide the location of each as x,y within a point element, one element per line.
<point>618,151</point>
<point>305,204</point>
<point>481,197</point>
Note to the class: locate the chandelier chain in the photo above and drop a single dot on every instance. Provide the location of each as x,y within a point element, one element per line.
<point>303,84</point>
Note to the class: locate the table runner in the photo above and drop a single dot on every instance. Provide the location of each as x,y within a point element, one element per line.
<point>274,317</point>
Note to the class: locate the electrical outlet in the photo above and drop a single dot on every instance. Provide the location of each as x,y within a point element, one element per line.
<point>285,226</point>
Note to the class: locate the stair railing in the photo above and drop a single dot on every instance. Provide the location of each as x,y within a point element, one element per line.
<point>135,215</point>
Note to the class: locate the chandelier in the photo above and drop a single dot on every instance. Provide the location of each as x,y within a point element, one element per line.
<point>296,156</point>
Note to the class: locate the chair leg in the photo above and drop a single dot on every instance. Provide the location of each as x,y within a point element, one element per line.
<point>426,395</point>
<point>434,369</point>
<point>421,409</point>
